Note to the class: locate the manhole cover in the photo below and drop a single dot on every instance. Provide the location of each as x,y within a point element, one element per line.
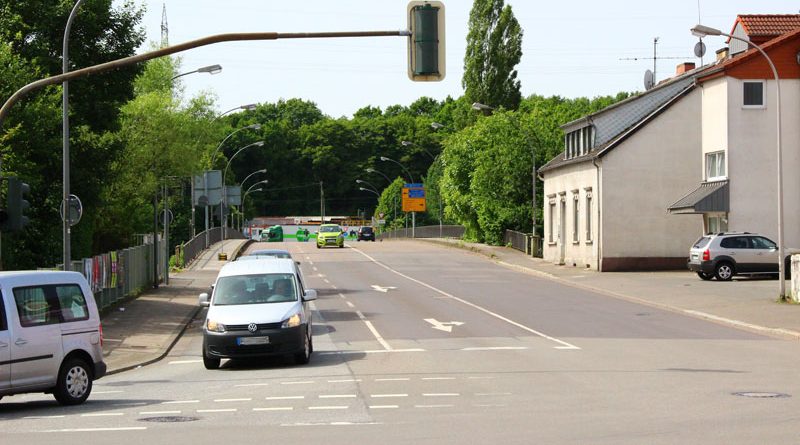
<point>169,419</point>
<point>762,395</point>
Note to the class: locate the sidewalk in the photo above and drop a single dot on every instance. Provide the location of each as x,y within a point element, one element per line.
<point>143,330</point>
<point>746,303</point>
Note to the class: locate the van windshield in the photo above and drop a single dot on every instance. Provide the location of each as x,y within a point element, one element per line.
<point>255,289</point>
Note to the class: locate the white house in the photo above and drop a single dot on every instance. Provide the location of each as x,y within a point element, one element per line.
<point>738,157</point>
<point>606,195</point>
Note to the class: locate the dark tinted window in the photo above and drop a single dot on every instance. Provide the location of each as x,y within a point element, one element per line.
<point>735,242</point>
<point>753,94</point>
<point>759,242</point>
<point>702,242</point>
<point>366,230</point>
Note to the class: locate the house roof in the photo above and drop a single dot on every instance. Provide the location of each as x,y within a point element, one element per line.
<point>709,197</point>
<point>747,56</point>
<point>762,27</point>
<point>617,122</point>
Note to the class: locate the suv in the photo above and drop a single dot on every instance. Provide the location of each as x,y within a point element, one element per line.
<point>50,335</point>
<point>723,255</point>
<point>366,233</point>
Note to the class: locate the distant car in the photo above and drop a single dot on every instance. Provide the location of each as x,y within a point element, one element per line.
<point>330,235</point>
<point>274,253</point>
<point>724,255</point>
<point>366,233</point>
<point>257,308</point>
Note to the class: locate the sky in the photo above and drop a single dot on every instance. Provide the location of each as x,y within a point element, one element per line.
<point>570,48</point>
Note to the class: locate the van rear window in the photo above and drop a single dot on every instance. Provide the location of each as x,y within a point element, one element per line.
<point>50,304</point>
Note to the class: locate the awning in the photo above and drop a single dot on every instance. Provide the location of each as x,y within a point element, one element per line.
<point>709,197</point>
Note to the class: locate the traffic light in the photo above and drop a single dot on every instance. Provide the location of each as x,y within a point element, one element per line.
<point>16,205</point>
<point>426,54</point>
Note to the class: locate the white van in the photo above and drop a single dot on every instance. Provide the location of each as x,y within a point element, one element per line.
<point>50,335</point>
<point>258,308</point>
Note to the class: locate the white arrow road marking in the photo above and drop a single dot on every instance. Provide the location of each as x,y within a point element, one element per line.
<point>383,289</point>
<point>446,326</point>
<point>563,345</point>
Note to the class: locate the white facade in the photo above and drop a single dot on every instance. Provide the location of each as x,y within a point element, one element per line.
<point>747,136</point>
<point>631,186</point>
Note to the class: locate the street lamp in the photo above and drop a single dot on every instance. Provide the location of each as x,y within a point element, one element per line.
<point>488,110</point>
<point>247,107</point>
<point>409,143</point>
<point>263,170</point>
<point>224,174</point>
<point>436,126</point>
<point>703,31</point>
<point>359,181</point>
<point>364,189</point>
<point>243,198</point>
<point>249,127</point>
<point>66,222</point>
<point>384,158</point>
<point>211,69</point>
<point>372,170</point>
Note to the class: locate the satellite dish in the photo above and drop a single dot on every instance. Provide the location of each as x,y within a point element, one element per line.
<point>700,49</point>
<point>649,81</point>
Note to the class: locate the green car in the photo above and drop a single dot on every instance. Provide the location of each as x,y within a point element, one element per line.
<point>330,235</point>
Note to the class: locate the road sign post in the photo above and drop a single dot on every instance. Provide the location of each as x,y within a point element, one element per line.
<point>414,201</point>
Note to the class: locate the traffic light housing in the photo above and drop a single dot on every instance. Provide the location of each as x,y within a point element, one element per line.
<point>16,206</point>
<point>426,51</point>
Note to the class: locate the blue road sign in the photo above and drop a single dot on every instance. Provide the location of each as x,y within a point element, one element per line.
<point>413,185</point>
<point>416,193</point>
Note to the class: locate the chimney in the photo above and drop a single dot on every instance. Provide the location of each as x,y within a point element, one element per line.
<point>684,67</point>
<point>722,54</point>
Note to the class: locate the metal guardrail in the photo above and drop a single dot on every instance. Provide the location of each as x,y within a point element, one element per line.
<point>192,248</point>
<point>524,242</point>
<point>451,231</point>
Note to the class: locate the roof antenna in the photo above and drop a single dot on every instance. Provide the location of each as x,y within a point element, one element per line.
<point>700,47</point>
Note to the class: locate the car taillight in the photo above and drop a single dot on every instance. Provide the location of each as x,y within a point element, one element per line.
<point>706,255</point>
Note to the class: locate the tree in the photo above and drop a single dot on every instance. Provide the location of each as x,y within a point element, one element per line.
<point>494,48</point>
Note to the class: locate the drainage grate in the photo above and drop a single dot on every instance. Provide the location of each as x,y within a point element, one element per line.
<point>169,419</point>
<point>762,395</point>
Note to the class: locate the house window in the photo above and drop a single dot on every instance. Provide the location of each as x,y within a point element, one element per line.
<point>588,215</point>
<point>715,166</point>
<point>575,216</point>
<point>717,223</point>
<point>551,219</point>
<point>753,94</point>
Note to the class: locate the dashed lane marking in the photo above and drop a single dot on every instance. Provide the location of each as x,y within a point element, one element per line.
<point>441,394</point>
<point>334,407</point>
<point>488,394</point>
<point>183,362</point>
<point>337,396</point>
<point>385,396</point>
<point>399,379</point>
<point>438,378</point>
<point>223,410</point>
<point>562,344</point>
<point>275,408</point>
<point>374,351</point>
<point>246,399</point>
<point>384,406</point>
<point>43,417</point>
<point>351,305</point>
<point>177,402</point>
<point>433,406</point>
<point>93,430</point>
<point>153,413</point>
<point>251,384</point>
<point>496,348</point>
<point>102,414</point>
<point>284,398</point>
<point>305,382</point>
<point>344,381</point>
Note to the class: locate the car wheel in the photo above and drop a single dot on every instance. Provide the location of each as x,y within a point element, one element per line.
<point>74,382</point>
<point>318,246</point>
<point>724,271</point>
<point>705,276</point>
<point>208,362</point>
<point>302,357</point>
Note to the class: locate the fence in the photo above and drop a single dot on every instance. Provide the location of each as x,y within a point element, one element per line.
<point>189,250</point>
<point>453,231</point>
<point>525,242</point>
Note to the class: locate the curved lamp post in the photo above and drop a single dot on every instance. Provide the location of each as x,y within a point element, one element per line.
<point>211,69</point>
<point>372,170</point>
<point>364,189</point>
<point>240,107</point>
<point>224,174</point>
<point>384,158</point>
<point>241,214</point>
<point>65,144</point>
<point>249,127</point>
<point>703,31</point>
<point>263,170</point>
<point>359,181</point>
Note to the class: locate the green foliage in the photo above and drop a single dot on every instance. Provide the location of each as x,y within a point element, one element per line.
<point>494,48</point>
<point>390,204</point>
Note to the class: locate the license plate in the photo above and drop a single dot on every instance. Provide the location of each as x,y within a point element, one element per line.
<point>252,341</point>
<point>694,257</point>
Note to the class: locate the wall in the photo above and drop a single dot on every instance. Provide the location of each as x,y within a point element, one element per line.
<point>641,177</point>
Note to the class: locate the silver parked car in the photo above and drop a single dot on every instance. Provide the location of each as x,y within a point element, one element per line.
<point>723,255</point>
<point>258,308</point>
<point>50,335</point>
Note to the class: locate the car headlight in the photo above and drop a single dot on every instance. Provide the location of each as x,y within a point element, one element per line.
<point>213,326</point>
<point>291,322</point>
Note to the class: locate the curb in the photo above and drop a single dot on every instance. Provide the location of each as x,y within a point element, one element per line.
<point>186,322</point>
<point>785,334</point>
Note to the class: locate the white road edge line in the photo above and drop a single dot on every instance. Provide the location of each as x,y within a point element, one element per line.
<point>91,430</point>
<point>564,345</point>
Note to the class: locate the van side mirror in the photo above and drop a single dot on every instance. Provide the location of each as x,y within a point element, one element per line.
<point>204,300</point>
<point>310,295</point>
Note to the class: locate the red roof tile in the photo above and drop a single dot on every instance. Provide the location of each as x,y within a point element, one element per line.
<point>767,25</point>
